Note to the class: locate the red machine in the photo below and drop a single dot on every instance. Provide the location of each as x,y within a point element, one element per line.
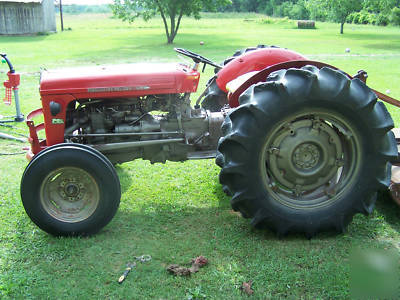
<point>302,145</point>
<point>63,88</point>
<point>59,88</point>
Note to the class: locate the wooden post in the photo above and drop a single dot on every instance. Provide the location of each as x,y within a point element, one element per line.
<point>61,16</point>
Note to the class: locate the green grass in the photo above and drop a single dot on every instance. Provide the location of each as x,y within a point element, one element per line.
<point>177,211</point>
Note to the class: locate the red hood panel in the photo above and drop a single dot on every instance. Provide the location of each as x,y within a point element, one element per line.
<point>120,80</point>
<point>254,61</point>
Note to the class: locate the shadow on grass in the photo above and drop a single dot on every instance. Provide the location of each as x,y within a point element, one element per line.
<point>372,36</point>
<point>264,231</point>
<point>388,208</point>
<point>380,40</point>
<point>385,206</point>
<point>183,215</point>
<point>76,267</point>
<point>378,46</point>
<point>125,179</point>
<point>4,39</point>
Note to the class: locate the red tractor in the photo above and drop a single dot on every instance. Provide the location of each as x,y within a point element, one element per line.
<point>302,146</point>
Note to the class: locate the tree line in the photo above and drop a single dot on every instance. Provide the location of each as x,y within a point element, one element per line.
<point>376,12</point>
<point>84,9</point>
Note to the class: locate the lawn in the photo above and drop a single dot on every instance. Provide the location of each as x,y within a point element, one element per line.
<point>177,211</point>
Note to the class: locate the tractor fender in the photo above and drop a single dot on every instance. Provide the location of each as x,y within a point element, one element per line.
<point>254,61</point>
<point>233,96</point>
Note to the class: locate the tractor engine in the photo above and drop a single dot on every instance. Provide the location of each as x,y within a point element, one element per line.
<point>154,127</point>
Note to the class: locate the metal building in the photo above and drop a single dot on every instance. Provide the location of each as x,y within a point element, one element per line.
<point>27,16</point>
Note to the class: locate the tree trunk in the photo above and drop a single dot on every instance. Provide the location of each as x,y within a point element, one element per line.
<point>176,27</point>
<point>173,28</point>
<point>341,27</point>
<point>170,37</point>
<point>166,27</point>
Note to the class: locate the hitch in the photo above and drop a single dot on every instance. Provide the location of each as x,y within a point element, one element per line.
<point>11,86</point>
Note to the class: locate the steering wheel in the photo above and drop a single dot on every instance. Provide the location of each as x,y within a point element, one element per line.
<point>197,58</point>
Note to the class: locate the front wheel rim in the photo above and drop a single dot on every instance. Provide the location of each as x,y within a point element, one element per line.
<point>69,194</point>
<point>311,159</point>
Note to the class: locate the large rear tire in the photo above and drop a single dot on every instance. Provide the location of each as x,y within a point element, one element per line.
<point>305,151</point>
<point>70,189</point>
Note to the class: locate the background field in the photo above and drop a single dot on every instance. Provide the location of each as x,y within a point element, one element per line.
<point>175,211</point>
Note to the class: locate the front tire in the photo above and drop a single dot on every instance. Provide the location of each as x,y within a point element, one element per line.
<point>70,190</point>
<point>305,151</point>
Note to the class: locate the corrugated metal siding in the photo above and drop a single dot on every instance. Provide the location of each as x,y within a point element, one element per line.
<point>22,1</point>
<point>49,15</point>
<point>27,18</point>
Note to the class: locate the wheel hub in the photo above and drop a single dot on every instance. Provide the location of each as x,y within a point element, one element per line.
<point>72,190</point>
<point>70,194</point>
<point>305,155</point>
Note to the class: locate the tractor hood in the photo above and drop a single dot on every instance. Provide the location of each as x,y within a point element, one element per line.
<point>120,81</point>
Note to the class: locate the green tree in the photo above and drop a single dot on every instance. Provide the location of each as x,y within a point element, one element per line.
<point>385,10</point>
<point>380,5</point>
<point>395,16</point>
<point>338,10</point>
<point>171,11</point>
<point>250,5</point>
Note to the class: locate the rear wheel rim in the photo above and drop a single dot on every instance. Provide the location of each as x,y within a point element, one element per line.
<point>69,194</point>
<point>311,159</point>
